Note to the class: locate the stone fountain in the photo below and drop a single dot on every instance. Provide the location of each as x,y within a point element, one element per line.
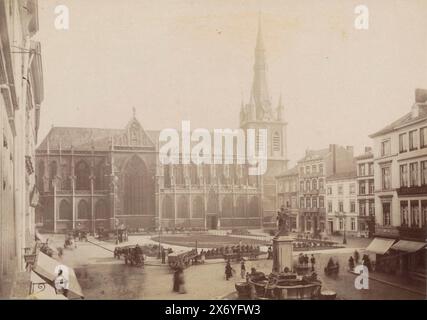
<point>282,283</point>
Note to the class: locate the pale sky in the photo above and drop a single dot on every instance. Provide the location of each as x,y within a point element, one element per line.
<point>193,60</point>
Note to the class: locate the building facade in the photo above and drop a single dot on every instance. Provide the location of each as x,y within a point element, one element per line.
<point>313,170</point>
<point>400,171</point>
<point>21,88</point>
<point>341,203</point>
<point>287,195</point>
<point>90,178</point>
<point>365,193</point>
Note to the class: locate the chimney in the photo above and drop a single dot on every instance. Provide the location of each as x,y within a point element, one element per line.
<point>420,95</point>
<point>332,149</point>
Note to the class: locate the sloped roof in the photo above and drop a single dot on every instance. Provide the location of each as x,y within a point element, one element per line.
<point>84,138</point>
<point>342,176</point>
<point>405,120</point>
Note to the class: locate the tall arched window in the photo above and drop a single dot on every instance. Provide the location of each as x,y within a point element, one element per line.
<point>65,176</point>
<point>82,172</point>
<point>241,206</point>
<point>133,186</point>
<point>227,206</point>
<point>253,207</point>
<point>198,207</point>
<point>207,174</point>
<point>65,210</point>
<point>167,175</point>
<point>314,184</point>
<point>168,211</point>
<point>101,210</point>
<point>100,176</point>
<point>195,175</point>
<point>53,171</point>
<point>183,210</point>
<point>276,141</point>
<point>83,211</point>
<point>40,176</point>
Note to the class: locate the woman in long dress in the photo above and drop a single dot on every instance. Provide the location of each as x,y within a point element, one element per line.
<point>181,282</point>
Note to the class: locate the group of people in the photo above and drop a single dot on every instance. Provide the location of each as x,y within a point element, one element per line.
<point>354,260</point>
<point>229,271</point>
<point>230,250</point>
<point>303,260</point>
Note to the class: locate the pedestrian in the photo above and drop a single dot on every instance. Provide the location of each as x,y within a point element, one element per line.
<point>269,253</point>
<point>61,283</point>
<point>181,281</point>
<point>301,259</point>
<point>228,270</point>
<point>176,280</point>
<point>306,260</point>
<point>313,262</point>
<point>242,269</point>
<point>163,256</point>
<point>351,263</point>
<point>356,256</point>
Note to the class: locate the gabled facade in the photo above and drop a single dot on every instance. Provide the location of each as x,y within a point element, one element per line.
<point>90,178</point>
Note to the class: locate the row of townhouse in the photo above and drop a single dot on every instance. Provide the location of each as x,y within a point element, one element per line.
<point>400,184</point>
<point>381,193</point>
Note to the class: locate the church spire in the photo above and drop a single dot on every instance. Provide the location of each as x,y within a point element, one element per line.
<point>280,109</point>
<point>259,86</point>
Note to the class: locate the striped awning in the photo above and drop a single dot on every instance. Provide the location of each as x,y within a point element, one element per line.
<point>380,245</point>
<point>408,246</point>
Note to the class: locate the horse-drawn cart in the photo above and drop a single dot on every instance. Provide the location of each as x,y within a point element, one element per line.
<point>182,258</point>
<point>132,254</point>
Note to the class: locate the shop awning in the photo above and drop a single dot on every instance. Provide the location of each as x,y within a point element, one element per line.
<point>408,246</point>
<point>43,290</point>
<point>380,245</point>
<point>45,267</point>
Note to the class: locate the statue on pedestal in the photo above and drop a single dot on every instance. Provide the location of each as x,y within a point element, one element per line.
<point>283,224</point>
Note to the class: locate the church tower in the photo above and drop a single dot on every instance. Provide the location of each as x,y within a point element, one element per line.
<point>259,113</point>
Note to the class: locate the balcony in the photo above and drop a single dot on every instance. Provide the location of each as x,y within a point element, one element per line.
<point>409,191</point>
<point>313,192</point>
<point>313,210</point>
<point>411,233</point>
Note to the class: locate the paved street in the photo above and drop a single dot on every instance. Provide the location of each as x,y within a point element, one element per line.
<point>103,277</point>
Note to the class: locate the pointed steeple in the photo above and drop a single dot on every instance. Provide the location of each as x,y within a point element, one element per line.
<point>280,109</point>
<point>260,92</point>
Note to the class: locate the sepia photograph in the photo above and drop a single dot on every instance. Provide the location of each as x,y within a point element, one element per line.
<point>220,150</point>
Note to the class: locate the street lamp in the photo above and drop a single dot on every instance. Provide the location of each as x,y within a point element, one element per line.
<point>160,245</point>
<point>344,240</point>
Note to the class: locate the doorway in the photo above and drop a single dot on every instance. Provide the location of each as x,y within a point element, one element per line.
<point>212,222</point>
